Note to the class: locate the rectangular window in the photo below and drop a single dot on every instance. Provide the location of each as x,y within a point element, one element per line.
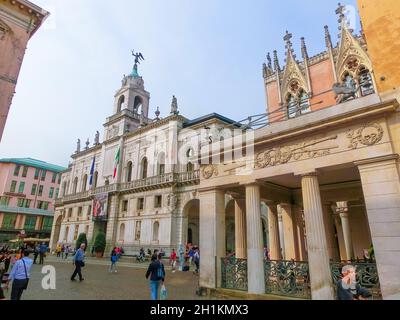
<point>9,221</point>
<point>57,191</point>
<point>69,212</point>
<point>138,230</point>
<point>51,193</point>
<point>125,205</point>
<point>157,201</point>
<point>27,203</point>
<point>40,191</point>
<point>16,170</point>
<point>80,212</point>
<point>23,203</point>
<point>4,201</point>
<point>45,205</point>
<point>21,187</point>
<point>33,190</point>
<point>47,223</point>
<point>36,174</point>
<point>44,175</point>
<point>76,232</point>
<point>89,211</point>
<point>25,172</point>
<point>39,205</point>
<point>30,223</point>
<point>140,204</point>
<point>59,178</point>
<point>20,202</point>
<point>54,178</point>
<point>13,186</point>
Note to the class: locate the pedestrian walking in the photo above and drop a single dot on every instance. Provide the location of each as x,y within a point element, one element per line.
<point>172,260</point>
<point>42,252</point>
<point>66,252</point>
<point>114,259</point>
<point>19,275</point>
<point>196,259</point>
<point>78,260</point>
<point>156,272</point>
<point>58,250</point>
<point>35,253</point>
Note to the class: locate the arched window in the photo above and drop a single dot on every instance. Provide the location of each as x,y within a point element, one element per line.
<point>95,175</point>
<point>190,167</point>
<point>143,168</point>
<point>291,106</point>
<point>304,102</point>
<point>129,172</point>
<point>156,227</point>
<point>189,156</point>
<point>122,232</point>
<point>84,182</point>
<point>121,103</point>
<point>365,81</point>
<point>349,81</point>
<point>75,186</point>
<point>137,105</point>
<point>161,164</point>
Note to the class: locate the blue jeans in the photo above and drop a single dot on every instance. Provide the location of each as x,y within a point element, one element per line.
<point>154,289</point>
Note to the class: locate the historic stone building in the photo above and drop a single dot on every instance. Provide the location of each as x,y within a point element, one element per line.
<point>19,20</point>
<point>152,200</point>
<point>326,163</point>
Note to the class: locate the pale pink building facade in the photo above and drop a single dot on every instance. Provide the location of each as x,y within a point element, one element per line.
<point>28,188</point>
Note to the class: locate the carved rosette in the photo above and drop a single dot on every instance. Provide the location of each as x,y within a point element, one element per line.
<point>208,171</point>
<point>368,135</point>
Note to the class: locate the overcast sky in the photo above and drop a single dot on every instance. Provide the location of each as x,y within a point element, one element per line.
<point>208,53</point>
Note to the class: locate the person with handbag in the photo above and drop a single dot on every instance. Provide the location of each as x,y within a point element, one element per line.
<point>19,275</point>
<point>79,262</point>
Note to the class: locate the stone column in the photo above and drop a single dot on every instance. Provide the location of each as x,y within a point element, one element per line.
<point>288,232</point>
<point>1,219</point>
<point>381,186</point>
<point>281,236</point>
<point>212,237</point>
<point>240,230</point>
<point>273,229</point>
<point>255,258</point>
<point>343,211</point>
<point>330,232</point>
<point>320,273</point>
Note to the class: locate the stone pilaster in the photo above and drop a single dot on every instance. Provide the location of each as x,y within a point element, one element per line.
<point>112,224</point>
<point>281,235</point>
<point>320,274</point>
<point>38,224</point>
<point>212,237</point>
<point>240,230</point>
<point>273,232</point>
<point>381,186</point>
<point>255,259</point>
<point>343,211</point>
<point>289,233</point>
<point>330,232</point>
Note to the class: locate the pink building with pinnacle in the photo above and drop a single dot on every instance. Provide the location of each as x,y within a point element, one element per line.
<point>28,188</point>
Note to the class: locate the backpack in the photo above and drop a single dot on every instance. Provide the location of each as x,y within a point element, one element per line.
<point>160,272</point>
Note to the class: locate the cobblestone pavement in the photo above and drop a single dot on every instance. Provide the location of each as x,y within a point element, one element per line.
<point>129,283</point>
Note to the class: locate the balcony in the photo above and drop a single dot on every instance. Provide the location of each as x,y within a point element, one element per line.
<point>151,183</point>
<point>29,211</point>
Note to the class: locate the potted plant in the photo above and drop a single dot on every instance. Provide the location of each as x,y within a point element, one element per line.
<point>81,239</point>
<point>100,244</point>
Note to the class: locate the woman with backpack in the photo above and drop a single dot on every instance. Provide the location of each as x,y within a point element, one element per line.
<point>156,272</point>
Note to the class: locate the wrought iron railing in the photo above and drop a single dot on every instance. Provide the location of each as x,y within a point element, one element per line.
<point>287,278</point>
<point>234,273</point>
<point>366,276</point>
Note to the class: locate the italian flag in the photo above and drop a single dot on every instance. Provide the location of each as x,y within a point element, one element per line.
<point>116,161</point>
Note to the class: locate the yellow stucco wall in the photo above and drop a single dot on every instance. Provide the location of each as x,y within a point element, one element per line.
<point>381,22</point>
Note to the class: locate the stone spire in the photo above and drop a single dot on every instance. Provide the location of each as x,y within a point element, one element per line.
<point>174,106</point>
<point>289,47</point>
<point>276,62</point>
<point>304,49</point>
<point>269,61</point>
<point>328,39</point>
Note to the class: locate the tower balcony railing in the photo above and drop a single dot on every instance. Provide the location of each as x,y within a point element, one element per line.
<point>148,182</point>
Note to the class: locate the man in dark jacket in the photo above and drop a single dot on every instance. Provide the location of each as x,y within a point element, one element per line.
<point>156,272</point>
<point>348,288</point>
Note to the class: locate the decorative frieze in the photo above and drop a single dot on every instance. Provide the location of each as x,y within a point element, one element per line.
<point>208,171</point>
<point>302,151</point>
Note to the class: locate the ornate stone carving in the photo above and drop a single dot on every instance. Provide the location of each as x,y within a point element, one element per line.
<point>302,151</point>
<point>368,135</point>
<point>208,171</point>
